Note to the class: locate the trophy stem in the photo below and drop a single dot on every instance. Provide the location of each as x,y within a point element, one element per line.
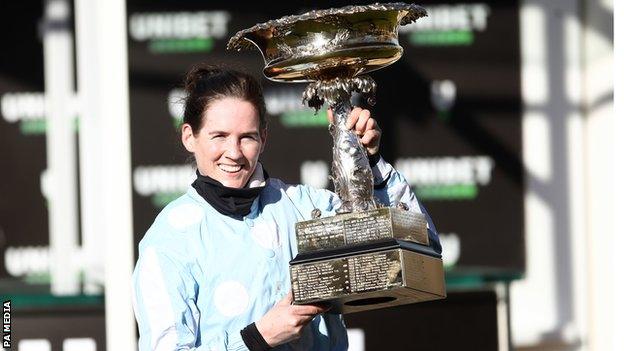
<point>351,174</point>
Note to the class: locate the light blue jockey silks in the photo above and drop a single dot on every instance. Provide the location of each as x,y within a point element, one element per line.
<point>201,276</point>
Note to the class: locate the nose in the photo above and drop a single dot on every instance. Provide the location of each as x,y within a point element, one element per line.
<point>233,149</point>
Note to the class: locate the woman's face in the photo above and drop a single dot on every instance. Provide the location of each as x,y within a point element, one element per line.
<point>229,142</point>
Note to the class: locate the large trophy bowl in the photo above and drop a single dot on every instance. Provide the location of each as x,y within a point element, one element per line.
<point>329,43</point>
<point>366,256</point>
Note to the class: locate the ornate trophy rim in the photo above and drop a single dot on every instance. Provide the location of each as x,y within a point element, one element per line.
<point>414,12</point>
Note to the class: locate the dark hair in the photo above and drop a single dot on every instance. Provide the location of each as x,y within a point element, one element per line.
<point>205,84</point>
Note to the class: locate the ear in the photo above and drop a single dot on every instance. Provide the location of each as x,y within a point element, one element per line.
<point>263,138</point>
<point>188,139</point>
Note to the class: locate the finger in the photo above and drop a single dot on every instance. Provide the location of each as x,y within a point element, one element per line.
<point>371,124</point>
<point>363,118</point>
<point>307,310</point>
<point>370,138</point>
<point>353,117</point>
<point>287,300</point>
<point>330,116</point>
<point>325,307</point>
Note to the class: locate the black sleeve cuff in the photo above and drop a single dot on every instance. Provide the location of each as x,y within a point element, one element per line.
<point>253,339</point>
<point>383,184</point>
<point>373,159</point>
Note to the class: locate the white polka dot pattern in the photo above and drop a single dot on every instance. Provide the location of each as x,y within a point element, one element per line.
<point>185,215</point>
<point>231,298</point>
<point>266,235</point>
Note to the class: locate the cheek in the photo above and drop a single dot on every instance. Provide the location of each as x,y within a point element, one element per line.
<point>252,150</point>
<point>209,151</point>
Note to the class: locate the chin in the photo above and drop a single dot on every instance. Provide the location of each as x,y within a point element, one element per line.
<point>238,183</point>
<point>232,184</point>
<point>230,180</point>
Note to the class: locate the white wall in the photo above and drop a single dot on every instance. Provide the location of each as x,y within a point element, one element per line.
<point>598,104</point>
<point>567,113</point>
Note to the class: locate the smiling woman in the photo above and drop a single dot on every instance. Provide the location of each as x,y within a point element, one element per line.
<point>213,270</point>
<point>224,124</point>
<point>228,143</point>
<point>224,127</point>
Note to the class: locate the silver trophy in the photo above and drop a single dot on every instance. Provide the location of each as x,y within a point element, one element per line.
<point>367,256</point>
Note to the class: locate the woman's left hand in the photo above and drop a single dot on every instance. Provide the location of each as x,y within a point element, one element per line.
<point>364,126</point>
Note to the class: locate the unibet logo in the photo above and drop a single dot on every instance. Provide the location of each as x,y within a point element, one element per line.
<point>28,108</point>
<point>448,25</point>
<point>169,32</point>
<point>286,103</point>
<point>30,261</point>
<point>447,178</point>
<point>162,183</point>
<point>22,106</point>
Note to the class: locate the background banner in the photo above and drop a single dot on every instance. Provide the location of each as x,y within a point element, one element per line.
<point>450,112</point>
<point>23,211</point>
<point>449,109</point>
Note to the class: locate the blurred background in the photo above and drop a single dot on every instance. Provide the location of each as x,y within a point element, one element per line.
<point>500,114</point>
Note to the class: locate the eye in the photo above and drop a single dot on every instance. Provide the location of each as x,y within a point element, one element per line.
<point>217,136</point>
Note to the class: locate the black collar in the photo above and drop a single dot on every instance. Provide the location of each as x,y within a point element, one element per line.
<point>233,202</point>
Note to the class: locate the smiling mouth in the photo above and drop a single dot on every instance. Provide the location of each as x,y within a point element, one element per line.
<point>230,168</point>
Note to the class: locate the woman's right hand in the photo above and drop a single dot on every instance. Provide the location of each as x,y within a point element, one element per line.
<point>284,322</point>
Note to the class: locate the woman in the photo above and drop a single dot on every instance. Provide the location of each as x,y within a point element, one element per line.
<point>212,272</point>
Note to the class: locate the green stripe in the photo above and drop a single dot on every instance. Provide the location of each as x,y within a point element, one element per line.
<point>177,122</point>
<point>161,200</point>
<point>164,46</point>
<point>33,126</point>
<point>38,278</point>
<point>23,301</point>
<point>447,192</point>
<point>39,126</point>
<point>447,38</point>
<point>464,277</point>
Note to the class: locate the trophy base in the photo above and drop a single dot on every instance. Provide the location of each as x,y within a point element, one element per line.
<point>368,281</point>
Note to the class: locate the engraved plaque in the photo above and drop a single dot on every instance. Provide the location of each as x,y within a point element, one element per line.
<point>359,228</point>
<point>369,281</point>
